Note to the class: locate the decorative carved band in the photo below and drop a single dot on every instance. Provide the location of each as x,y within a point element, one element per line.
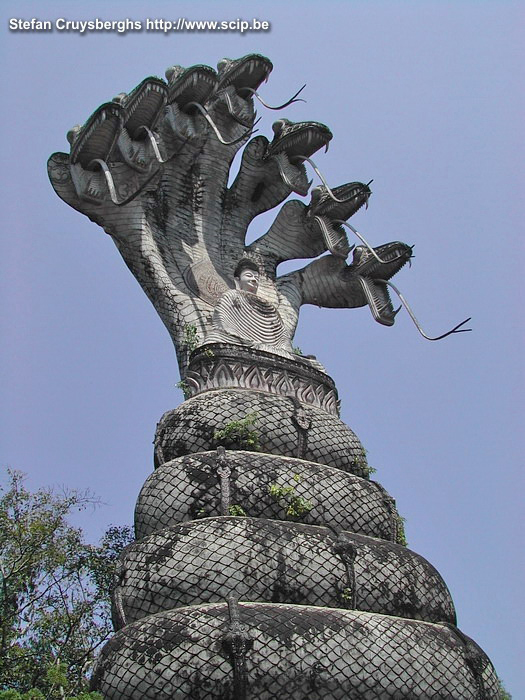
<point>224,366</point>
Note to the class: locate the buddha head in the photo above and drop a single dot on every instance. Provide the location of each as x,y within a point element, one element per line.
<point>247,276</point>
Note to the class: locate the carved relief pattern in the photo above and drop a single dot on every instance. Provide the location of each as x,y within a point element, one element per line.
<point>224,367</point>
<point>188,489</point>
<point>307,652</point>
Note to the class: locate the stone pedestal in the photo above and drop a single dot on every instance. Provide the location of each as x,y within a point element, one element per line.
<point>276,573</point>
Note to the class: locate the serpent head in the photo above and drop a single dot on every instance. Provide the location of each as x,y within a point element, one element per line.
<point>246,72</point>
<point>193,84</point>
<point>238,81</point>
<point>350,197</point>
<point>296,139</point>
<point>327,209</point>
<point>143,106</point>
<point>291,144</point>
<point>368,269</point>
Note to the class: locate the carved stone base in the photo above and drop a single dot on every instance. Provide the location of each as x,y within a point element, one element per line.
<point>222,366</point>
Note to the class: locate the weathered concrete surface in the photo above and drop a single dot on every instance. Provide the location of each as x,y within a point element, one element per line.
<point>190,487</point>
<point>293,652</point>
<point>281,562</point>
<point>279,422</point>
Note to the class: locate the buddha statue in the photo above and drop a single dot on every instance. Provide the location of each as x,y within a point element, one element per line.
<point>243,318</point>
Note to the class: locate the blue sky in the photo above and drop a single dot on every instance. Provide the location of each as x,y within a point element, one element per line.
<point>424,97</point>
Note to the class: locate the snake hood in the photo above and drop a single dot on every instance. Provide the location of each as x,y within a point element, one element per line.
<point>193,84</point>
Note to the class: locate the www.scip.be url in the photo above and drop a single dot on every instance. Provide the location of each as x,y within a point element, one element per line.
<point>192,25</point>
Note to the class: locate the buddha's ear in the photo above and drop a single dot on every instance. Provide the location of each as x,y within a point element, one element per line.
<point>237,282</point>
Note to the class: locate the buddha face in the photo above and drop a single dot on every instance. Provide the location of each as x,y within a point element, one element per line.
<point>248,280</point>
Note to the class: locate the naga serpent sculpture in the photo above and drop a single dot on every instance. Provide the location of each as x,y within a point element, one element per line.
<point>333,603</point>
<point>151,167</point>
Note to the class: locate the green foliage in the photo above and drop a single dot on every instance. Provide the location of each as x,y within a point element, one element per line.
<point>503,694</point>
<point>237,510</point>
<point>239,435</point>
<point>184,387</point>
<point>401,537</point>
<point>346,595</point>
<point>297,350</point>
<point>15,695</point>
<point>191,338</point>
<point>54,596</point>
<point>295,507</point>
<point>362,463</point>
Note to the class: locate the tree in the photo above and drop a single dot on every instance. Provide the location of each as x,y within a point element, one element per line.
<point>504,694</point>
<point>54,593</point>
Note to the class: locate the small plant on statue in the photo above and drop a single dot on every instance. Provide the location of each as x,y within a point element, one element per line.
<point>237,511</point>
<point>504,694</point>
<point>347,596</point>
<point>191,338</point>
<point>295,507</point>
<point>190,341</point>
<point>239,435</point>
<point>184,387</point>
<point>368,469</point>
<point>401,537</point>
<point>362,464</point>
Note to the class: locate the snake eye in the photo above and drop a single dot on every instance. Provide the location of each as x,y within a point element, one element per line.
<point>173,72</point>
<point>73,133</point>
<point>223,63</point>
<point>120,98</point>
<point>278,126</point>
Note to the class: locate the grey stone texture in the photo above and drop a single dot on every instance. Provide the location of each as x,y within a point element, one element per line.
<point>326,439</point>
<point>281,562</point>
<point>189,487</point>
<point>293,652</point>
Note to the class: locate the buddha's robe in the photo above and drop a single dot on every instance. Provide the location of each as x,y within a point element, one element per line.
<point>244,318</point>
